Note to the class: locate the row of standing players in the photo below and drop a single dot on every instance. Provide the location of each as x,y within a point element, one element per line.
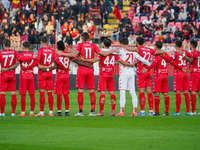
<point>85,51</point>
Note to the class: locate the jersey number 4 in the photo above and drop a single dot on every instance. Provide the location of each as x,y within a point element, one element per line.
<point>7,57</point>
<point>163,63</point>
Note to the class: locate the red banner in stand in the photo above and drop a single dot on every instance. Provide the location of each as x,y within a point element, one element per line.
<point>94,10</point>
<point>17,41</point>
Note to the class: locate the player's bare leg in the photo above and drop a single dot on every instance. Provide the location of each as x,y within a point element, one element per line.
<point>142,101</point>
<point>13,102</point>
<point>193,102</point>
<point>51,101</point>
<point>113,102</point>
<point>42,103</point>
<point>80,102</point>
<point>178,103</point>
<point>157,103</point>
<point>167,102</point>
<point>134,102</point>
<point>3,103</point>
<point>101,103</point>
<point>150,100</point>
<point>187,102</point>
<point>92,101</point>
<point>122,102</point>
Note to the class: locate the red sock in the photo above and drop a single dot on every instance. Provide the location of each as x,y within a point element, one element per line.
<point>3,103</point>
<point>113,98</point>
<point>13,102</point>
<point>50,100</point>
<point>187,102</point>
<point>93,100</point>
<point>150,100</point>
<point>101,105</point>
<point>42,100</point>
<point>178,102</point>
<point>142,101</point>
<point>193,102</point>
<point>66,98</point>
<point>23,102</point>
<point>157,103</point>
<point>59,101</point>
<point>167,101</point>
<point>32,103</point>
<point>80,100</point>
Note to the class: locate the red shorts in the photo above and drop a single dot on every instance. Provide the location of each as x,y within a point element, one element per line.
<point>195,82</point>
<point>144,80</point>
<point>25,84</point>
<point>85,76</point>
<point>106,82</point>
<point>8,83</point>
<point>161,84</point>
<point>45,82</point>
<point>181,82</point>
<point>61,85</point>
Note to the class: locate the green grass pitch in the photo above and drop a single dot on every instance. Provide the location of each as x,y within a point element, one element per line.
<point>94,133</point>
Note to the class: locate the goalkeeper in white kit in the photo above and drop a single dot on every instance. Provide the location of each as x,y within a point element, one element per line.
<point>127,77</point>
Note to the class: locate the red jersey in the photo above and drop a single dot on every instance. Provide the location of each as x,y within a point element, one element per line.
<point>46,56</point>
<point>87,50</point>
<point>180,60</point>
<point>8,58</point>
<point>106,65</point>
<point>195,65</point>
<point>64,29</point>
<point>145,53</point>
<point>74,34</point>
<point>28,74</point>
<point>63,65</point>
<point>160,65</point>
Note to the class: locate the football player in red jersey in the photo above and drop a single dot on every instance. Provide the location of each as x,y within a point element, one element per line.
<point>144,79</point>
<point>86,75</point>
<point>45,79</point>
<point>181,82</point>
<point>27,80</point>
<point>160,80</point>
<point>194,59</point>
<point>106,76</point>
<point>61,86</point>
<point>8,58</point>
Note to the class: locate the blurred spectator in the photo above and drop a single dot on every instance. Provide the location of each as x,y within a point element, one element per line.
<point>154,16</point>
<point>194,15</point>
<point>45,20</point>
<point>75,35</point>
<point>147,21</point>
<point>126,21</point>
<point>174,28</point>
<point>115,35</point>
<point>137,29</point>
<point>59,7</point>
<point>64,13</point>
<point>137,11</point>
<point>104,35</point>
<point>167,39</point>
<point>196,35</point>
<point>49,28</point>
<point>97,36</point>
<point>131,39</point>
<point>168,3</point>
<point>15,7</point>
<point>189,9</point>
<point>124,33</point>
<point>177,35</point>
<point>148,35</point>
<point>152,27</point>
<point>4,23</point>
<point>159,28</point>
<point>146,10</point>
<point>40,11</point>
<point>120,7</point>
<point>186,35</point>
<point>103,12</point>
<point>97,22</point>
<point>166,28</point>
<point>79,23</point>
<point>18,16</point>
<point>53,37</point>
<point>24,11</point>
<point>160,38</point>
<point>161,5</point>
<point>31,21</point>
<point>36,38</point>
<point>68,39</point>
<point>14,24</point>
<point>2,37</point>
<point>83,11</point>
<point>71,16</point>
<point>121,26</point>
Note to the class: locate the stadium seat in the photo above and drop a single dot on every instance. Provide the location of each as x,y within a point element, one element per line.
<point>160,12</point>
<point>179,25</point>
<point>142,18</point>
<point>198,25</point>
<point>136,19</point>
<point>147,42</point>
<point>150,5</point>
<point>133,24</point>
<point>155,7</point>
<point>171,24</point>
<point>198,43</point>
<point>171,35</point>
<point>156,38</point>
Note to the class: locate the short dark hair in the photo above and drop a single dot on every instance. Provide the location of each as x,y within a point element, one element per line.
<point>60,45</point>
<point>178,43</point>
<point>85,36</point>
<point>26,44</point>
<point>44,39</point>
<point>140,40</point>
<point>193,43</point>
<point>159,44</point>
<point>124,41</point>
<point>7,42</point>
<point>107,42</point>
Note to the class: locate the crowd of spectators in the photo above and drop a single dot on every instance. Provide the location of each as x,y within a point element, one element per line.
<point>163,20</point>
